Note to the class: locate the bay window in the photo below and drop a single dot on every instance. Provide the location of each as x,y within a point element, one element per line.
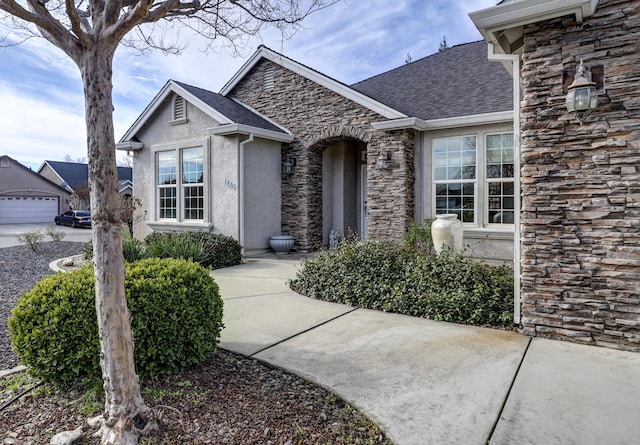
<point>180,184</point>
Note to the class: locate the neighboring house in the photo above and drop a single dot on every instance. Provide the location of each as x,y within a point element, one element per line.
<point>27,197</point>
<point>74,177</point>
<point>579,225</point>
<point>286,149</point>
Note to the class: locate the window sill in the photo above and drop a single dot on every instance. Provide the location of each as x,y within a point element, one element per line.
<point>180,226</point>
<point>184,120</point>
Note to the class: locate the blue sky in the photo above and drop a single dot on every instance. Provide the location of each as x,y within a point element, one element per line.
<point>42,117</point>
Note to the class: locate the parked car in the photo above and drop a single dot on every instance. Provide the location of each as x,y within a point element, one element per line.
<point>74,218</point>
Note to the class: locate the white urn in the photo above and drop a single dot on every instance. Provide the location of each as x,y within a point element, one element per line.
<point>281,244</point>
<point>447,230</point>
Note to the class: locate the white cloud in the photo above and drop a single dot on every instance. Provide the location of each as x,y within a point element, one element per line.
<point>350,41</point>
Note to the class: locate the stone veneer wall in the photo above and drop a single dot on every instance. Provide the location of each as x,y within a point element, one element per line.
<point>581,184</point>
<point>318,117</point>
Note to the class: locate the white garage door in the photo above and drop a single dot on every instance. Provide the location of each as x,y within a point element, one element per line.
<point>26,209</point>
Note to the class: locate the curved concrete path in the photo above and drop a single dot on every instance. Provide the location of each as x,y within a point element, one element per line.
<point>429,382</point>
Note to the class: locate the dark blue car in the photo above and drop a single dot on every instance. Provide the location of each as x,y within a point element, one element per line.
<point>74,218</point>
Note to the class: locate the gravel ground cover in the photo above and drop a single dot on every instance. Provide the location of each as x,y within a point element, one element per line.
<point>229,399</point>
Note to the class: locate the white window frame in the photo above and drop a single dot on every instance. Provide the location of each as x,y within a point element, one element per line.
<point>481,195</point>
<point>463,181</point>
<point>487,180</point>
<point>180,186</point>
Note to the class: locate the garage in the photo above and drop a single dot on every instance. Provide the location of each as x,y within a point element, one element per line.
<point>28,209</point>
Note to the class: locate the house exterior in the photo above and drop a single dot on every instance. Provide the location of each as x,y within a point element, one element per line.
<point>579,226</point>
<point>27,197</point>
<point>74,176</point>
<point>284,149</point>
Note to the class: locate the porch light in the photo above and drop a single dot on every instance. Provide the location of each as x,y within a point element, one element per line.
<point>582,97</point>
<point>382,162</point>
<point>287,167</point>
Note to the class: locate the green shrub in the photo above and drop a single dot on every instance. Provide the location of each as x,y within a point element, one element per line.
<point>358,273</point>
<point>133,248</point>
<point>176,320</point>
<point>384,276</point>
<point>211,250</point>
<point>33,239</point>
<point>419,236</point>
<point>55,233</point>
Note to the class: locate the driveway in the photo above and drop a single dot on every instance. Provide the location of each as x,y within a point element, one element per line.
<point>10,232</point>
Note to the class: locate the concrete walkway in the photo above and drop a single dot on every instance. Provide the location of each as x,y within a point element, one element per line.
<point>429,382</point>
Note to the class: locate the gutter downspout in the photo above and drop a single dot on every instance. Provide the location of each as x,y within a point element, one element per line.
<point>515,64</point>
<point>241,190</point>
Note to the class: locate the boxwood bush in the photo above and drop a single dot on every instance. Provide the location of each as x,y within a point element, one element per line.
<point>389,277</point>
<point>176,313</point>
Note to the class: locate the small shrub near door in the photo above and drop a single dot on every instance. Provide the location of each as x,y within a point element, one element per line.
<point>176,314</point>
<point>211,250</point>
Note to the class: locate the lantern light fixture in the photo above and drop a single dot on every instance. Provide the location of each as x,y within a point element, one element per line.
<point>383,161</point>
<point>287,167</point>
<point>582,97</point>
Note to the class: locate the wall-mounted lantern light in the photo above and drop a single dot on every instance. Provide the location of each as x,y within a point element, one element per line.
<point>582,97</point>
<point>383,161</point>
<point>287,167</point>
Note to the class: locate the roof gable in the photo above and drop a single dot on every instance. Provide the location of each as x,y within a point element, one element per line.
<point>459,81</point>
<point>75,174</point>
<point>5,158</point>
<point>222,109</point>
<point>313,75</point>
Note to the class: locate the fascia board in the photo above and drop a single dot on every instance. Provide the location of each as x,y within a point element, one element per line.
<point>129,146</point>
<point>518,13</point>
<point>314,76</point>
<point>233,129</point>
<point>441,124</point>
<point>171,87</point>
<point>55,172</point>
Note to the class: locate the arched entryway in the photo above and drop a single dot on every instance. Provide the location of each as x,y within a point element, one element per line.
<point>344,189</point>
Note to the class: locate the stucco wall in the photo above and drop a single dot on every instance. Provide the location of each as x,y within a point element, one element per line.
<point>581,184</point>
<point>318,118</point>
<point>262,209</point>
<point>222,181</point>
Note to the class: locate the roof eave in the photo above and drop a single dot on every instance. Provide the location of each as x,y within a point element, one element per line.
<point>439,124</point>
<point>493,23</point>
<point>242,129</point>
<point>314,76</point>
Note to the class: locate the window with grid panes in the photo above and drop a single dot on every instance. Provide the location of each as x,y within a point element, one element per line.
<point>499,150</point>
<point>180,185</point>
<point>454,176</point>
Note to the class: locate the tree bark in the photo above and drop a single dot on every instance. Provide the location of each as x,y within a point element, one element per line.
<point>126,416</point>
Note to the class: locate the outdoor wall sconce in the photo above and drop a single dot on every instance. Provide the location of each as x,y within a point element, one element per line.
<point>383,161</point>
<point>287,167</point>
<point>582,97</point>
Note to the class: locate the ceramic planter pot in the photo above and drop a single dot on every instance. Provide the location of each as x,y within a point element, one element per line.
<point>446,230</point>
<point>281,244</point>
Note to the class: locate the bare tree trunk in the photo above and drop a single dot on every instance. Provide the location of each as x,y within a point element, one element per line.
<point>126,414</point>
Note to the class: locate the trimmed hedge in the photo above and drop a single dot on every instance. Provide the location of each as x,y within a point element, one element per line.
<point>176,320</point>
<point>393,278</point>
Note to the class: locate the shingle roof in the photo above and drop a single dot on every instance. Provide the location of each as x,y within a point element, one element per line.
<point>76,174</point>
<point>458,81</point>
<point>230,108</point>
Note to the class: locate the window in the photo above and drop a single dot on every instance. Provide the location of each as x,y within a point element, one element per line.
<point>478,195</point>
<point>186,197</point>
<point>192,183</point>
<point>454,176</point>
<point>500,185</point>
